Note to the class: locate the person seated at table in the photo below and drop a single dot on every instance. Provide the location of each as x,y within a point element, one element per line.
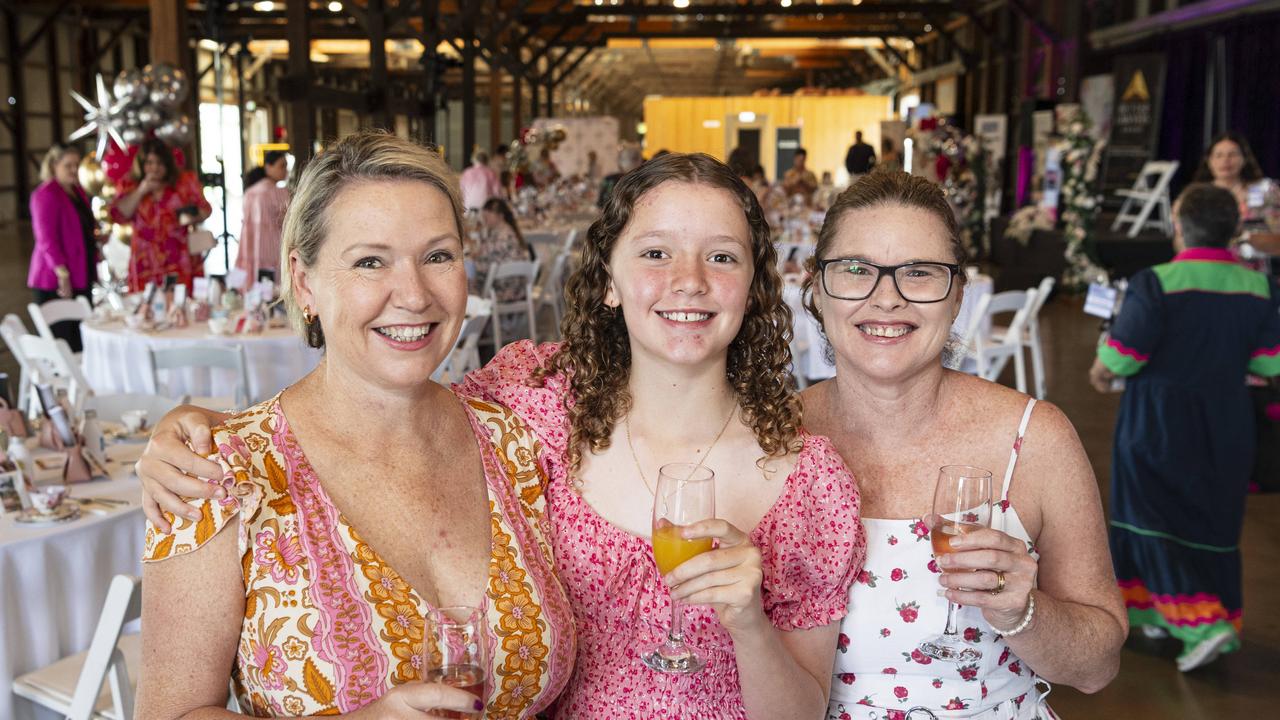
<point>1037,594</point>
<point>499,240</point>
<point>1184,438</point>
<point>160,202</point>
<point>800,180</point>
<point>305,576</point>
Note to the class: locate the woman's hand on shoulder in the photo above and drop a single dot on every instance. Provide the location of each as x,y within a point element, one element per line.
<point>418,701</point>
<point>727,578</point>
<point>174,462</point>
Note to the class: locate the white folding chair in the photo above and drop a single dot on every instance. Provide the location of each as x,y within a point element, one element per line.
<point>989,357</point>
<point>12,328</point>
<point>56,311</point>
<point>526,272</point>
<point>570,239</point>
<point>206,356</point>
<point>550,289</point>
<point>73,686</point>
<point>1150,194</point>
<point>465,355</point>
<point>970,332</point>
<point>112,407</point>
<point>51,361</point>
<point>1031,335</point>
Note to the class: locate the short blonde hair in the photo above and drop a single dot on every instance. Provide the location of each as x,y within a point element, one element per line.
<point>361,156</point>
<point>53,157</point>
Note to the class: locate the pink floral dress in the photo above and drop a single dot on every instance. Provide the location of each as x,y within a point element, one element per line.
<point>811,542</point>
<point>329,626</point>
<point>894,605</point>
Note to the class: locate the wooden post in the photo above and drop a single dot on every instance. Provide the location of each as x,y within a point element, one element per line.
<point>169,32</point>
<point>517,105</point>
<point>430,39</point>
<point>495,106</point>
<point>376,17</point>
<point>468,84</point>
<point>301,113</point>
<point>17,114</point>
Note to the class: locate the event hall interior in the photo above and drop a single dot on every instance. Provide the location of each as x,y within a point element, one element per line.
<point>895,242</point>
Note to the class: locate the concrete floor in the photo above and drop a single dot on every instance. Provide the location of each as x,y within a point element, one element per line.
<point>1242,685</point>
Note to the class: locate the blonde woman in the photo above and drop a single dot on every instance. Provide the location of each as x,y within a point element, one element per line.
<point>63,262</point>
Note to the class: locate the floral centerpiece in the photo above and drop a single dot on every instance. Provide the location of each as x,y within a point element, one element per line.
<point>1081,156</point>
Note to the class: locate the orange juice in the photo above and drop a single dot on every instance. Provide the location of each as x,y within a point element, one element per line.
<point>670,550</point>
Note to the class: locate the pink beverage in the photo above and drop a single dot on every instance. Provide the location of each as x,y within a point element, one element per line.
<point>464,677</point>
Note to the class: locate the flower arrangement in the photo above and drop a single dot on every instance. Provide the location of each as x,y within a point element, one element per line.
<point>1081,156</point>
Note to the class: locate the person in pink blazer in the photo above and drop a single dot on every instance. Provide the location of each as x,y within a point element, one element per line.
<point>63,263</point>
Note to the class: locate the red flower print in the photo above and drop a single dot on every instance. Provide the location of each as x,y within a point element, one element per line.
<point>969,517</point>
<point>847,678</point>
<point>895,715</point>
<point>866,700</point>
<point>920,530</point>
<point>884,632</point>
<point>1019,700</point>
<point>893,540</point>
<point>1017,444</point>
<point>968,673</point>
<point>845,716</point>
<point>889,671</point>
<point>933,567</point>
<point>897,574</point>
<point>920,657</point>
<point>984,691</point>
<point>937,683</point>
<point>1004,657</point>
<point>909,611</point>
<point>867,578</point>
<point>1004,505</point>
<point>900,692</point>
<point>956,704</point>
<point>842,643</point>
<point>1015,667</point>
<point>973,635</point>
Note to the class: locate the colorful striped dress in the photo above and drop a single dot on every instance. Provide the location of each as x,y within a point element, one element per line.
<point>1188,333</point>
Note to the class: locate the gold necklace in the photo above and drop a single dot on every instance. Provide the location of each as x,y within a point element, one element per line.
<point>636,459</point>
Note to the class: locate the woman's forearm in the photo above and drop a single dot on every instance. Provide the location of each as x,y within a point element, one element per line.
<point>774,685</point>
<point>1071,643</point>
<point>128,204</point>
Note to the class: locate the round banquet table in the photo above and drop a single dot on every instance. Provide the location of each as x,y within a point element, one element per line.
<point>54,578</point>
<point>808,343</point>
<point>117,360</point>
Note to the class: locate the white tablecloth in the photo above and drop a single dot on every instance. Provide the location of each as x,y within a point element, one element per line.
<point>808,344</point>
<point>116,360</point>
<point>54,579</point>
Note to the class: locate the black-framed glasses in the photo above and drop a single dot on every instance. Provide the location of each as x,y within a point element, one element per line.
<point>917,282</point>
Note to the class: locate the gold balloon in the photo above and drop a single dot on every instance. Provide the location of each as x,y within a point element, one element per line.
<point>122,233</point>
<point>91,175</point>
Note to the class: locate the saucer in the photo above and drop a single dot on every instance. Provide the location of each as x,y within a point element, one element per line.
<point>65,512</point>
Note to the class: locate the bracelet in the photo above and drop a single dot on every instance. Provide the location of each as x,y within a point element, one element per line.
<point>1026,619</point>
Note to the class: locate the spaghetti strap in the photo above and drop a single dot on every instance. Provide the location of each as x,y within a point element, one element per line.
<point>1013,457</point>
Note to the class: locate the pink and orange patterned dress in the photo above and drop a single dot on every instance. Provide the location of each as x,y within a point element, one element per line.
<point>159,245</point>
<point>329,626</point>
<point>811,542</point>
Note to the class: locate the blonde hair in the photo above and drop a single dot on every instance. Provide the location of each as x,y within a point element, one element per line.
<point>362,156</point>
<point>53,157</point>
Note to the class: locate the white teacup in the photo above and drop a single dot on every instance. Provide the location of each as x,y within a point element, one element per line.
<point>134,420</point>
<point>46,499</point>
<point>217,325</point>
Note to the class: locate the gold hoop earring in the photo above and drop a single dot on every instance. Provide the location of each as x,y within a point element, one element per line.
<point>307,317</point>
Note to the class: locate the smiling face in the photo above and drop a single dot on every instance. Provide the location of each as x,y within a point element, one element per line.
<point>681,272</point>
<point>66,170</point>
<point>1226,161</point>
<point>884,337</point>
<point>388,284</point>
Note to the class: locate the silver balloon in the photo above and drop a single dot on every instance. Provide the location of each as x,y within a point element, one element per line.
<point>131,87</point>
<point>133,134</point>
<point>149,116</point>
<point>176,131</point>
<point>168,87</point>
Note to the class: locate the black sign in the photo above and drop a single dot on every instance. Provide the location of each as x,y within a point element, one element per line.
<point>1135,119</point>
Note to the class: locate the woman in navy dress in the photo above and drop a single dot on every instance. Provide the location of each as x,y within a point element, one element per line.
<point>1188,333</point>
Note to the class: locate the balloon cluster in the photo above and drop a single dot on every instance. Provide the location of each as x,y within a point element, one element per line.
<point>149,100</point>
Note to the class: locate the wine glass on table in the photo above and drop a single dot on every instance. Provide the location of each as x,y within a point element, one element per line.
<point>961,504</point>
<point>455,653</point>
<point>686,494</point>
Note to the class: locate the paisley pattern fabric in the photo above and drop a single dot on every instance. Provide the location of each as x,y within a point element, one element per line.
<point>329,626</point>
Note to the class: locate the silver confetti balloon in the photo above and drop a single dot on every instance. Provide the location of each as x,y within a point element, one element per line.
<point>175,131</point>
<point>149,117</point>
<point>131,87</point>
<point>133,134</point>
<point>168,87</point>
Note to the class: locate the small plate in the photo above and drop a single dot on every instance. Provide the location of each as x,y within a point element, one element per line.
<point>66,512</point>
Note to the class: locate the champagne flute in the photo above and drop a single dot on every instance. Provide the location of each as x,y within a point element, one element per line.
<point>962,504</point>
<point>686,494</point>
<point>455,652</point>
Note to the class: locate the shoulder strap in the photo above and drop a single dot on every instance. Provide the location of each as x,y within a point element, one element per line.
<point>1013,456</point>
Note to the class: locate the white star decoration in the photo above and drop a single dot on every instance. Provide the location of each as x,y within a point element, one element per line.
<point>102,117</point>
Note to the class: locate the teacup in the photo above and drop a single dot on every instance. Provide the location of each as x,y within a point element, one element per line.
<point>217,325</point>
<point>46,499</point>
<point>134,420</point>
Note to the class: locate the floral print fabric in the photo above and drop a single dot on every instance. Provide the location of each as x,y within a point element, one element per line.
<point>811,543</point>
<point>159,245</point>
<point>329,626</point>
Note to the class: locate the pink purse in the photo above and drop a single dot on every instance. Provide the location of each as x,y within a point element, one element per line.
<point>11,420</point>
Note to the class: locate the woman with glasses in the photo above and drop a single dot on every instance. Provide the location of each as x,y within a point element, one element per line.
<point>1037,594</point>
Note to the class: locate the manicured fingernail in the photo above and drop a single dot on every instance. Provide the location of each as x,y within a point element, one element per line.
<point>193,515</point>
<point>478,705</point>
<point>220,493</point>
<point>942,592</point>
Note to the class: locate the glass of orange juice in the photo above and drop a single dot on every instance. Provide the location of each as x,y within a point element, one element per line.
<point>686,493</point>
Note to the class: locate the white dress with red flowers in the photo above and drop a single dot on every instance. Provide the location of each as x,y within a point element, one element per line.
<point>880,674</point>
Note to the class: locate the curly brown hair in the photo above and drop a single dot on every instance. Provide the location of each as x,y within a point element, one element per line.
<point>595,357</point>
